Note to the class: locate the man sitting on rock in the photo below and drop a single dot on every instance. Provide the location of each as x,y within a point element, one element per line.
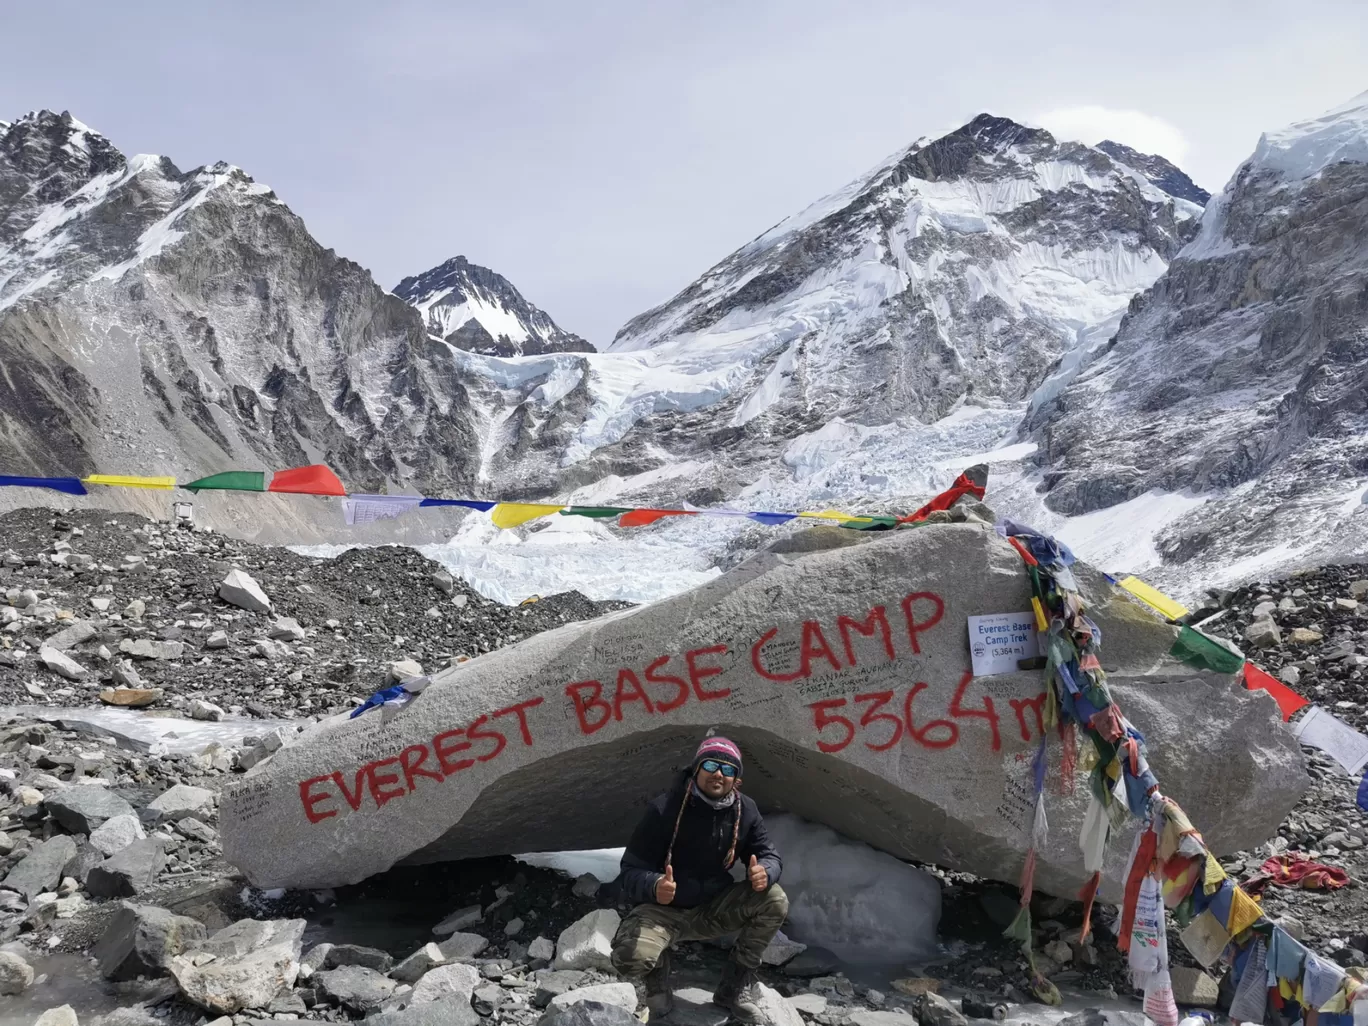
<point>677,866</point>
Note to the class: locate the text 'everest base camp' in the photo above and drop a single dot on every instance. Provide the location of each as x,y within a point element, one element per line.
<point>839,661</point>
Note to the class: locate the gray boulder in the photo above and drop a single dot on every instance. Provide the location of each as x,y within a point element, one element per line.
<point>556,982</point>
<point>461,946</point>
<point>84,808</point>
<point>141,940</point>
<point>241,590</point>
<point>934,1010</point>
<point>1192,987</point>
<point>16,975</point>
<point>446,1012</point>
<point>254,960</point>
<point>117,833</point>
<point>60,663</point>
<point>183,800</point>
<point>503,750</point>
<point>62,1015</point>
<point>355,988</point>
<point>70,637</point>
<point>41,869</point>
<point>147,648</point>
<point>411,969</point>
<point>199,709</point>
<point>354,954</point>
<point>459,920</point>
<point>588,1013</point>
<point>130,872</point>
<point>1264,634</point>
<point>588,942</point>
<point>446,981</point>
<point>87,857</point>
<point>623,995</point>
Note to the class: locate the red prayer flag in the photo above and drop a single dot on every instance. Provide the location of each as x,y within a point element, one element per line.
<point>973,482</point>
<point>312,480</point>
<point>1288,700</point>
<point>642,517</point>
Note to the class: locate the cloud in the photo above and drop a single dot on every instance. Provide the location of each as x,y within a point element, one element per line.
<point>1136,129</point>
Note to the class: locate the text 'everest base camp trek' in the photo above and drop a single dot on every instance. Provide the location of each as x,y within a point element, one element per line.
<point>888,768</point>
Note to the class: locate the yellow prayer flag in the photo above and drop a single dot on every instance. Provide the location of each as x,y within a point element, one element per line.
<point>1155,599</point>
<point>1212,875</point>
<point>1244,912</point>
<point>834,514</point>
<point>511,514</point>
<point>1206,938</point>
<point>1042,624</point>
<point>130,481</point>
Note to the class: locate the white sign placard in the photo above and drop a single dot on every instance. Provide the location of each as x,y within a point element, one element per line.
<point>998,640</point>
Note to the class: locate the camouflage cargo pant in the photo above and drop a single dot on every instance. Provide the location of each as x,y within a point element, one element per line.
<point>649,929</point>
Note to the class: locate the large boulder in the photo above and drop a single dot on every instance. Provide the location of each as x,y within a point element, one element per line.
<point>183,800</point>
<point>141,940</point>
<point>128,872</point>
<point>241,589</point>
<point>842,667</point>
<point>41,869</point>
<point>84,808</point>
<point>254,960</point>
<point>588,942</point>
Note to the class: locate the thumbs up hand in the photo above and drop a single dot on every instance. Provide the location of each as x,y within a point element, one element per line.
<point>759,879</point>
<point>665,887</point>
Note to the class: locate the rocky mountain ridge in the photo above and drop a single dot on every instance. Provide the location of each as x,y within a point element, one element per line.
<point>1240,376</point>
<point>1158,171</point>
<point>154,321</point>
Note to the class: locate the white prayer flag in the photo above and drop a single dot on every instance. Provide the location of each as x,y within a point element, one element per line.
<point>365,509</point>
<point>1333,736</point>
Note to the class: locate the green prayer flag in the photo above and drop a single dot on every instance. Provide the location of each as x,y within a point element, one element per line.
<point>231,480</point>
<point>596,512</point>
<point>873,523</point>
<point>1204,652</point>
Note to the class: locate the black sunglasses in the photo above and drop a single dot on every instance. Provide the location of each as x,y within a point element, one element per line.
<point>712,766</point>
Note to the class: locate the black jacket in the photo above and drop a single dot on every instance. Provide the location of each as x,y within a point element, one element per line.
<point>700,849</point>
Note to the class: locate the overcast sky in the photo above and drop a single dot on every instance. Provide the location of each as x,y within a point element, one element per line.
<point>602,155</point>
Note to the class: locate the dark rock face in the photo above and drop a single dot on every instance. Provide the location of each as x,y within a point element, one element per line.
<point>1162,173</point>
<point>477,309</point>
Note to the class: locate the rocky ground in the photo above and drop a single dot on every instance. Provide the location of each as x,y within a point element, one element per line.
<point>109,856</point>
<point>127,601</point>
<point>1311,631</point>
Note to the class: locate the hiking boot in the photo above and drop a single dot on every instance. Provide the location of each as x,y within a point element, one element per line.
<point>657,981</point>
<point>739,993</point>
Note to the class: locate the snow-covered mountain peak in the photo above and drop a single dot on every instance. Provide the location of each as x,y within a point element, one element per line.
<point>968,263</point>
<point>480,310</point>
<point>975,147</point>
<point>1305,148</point>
